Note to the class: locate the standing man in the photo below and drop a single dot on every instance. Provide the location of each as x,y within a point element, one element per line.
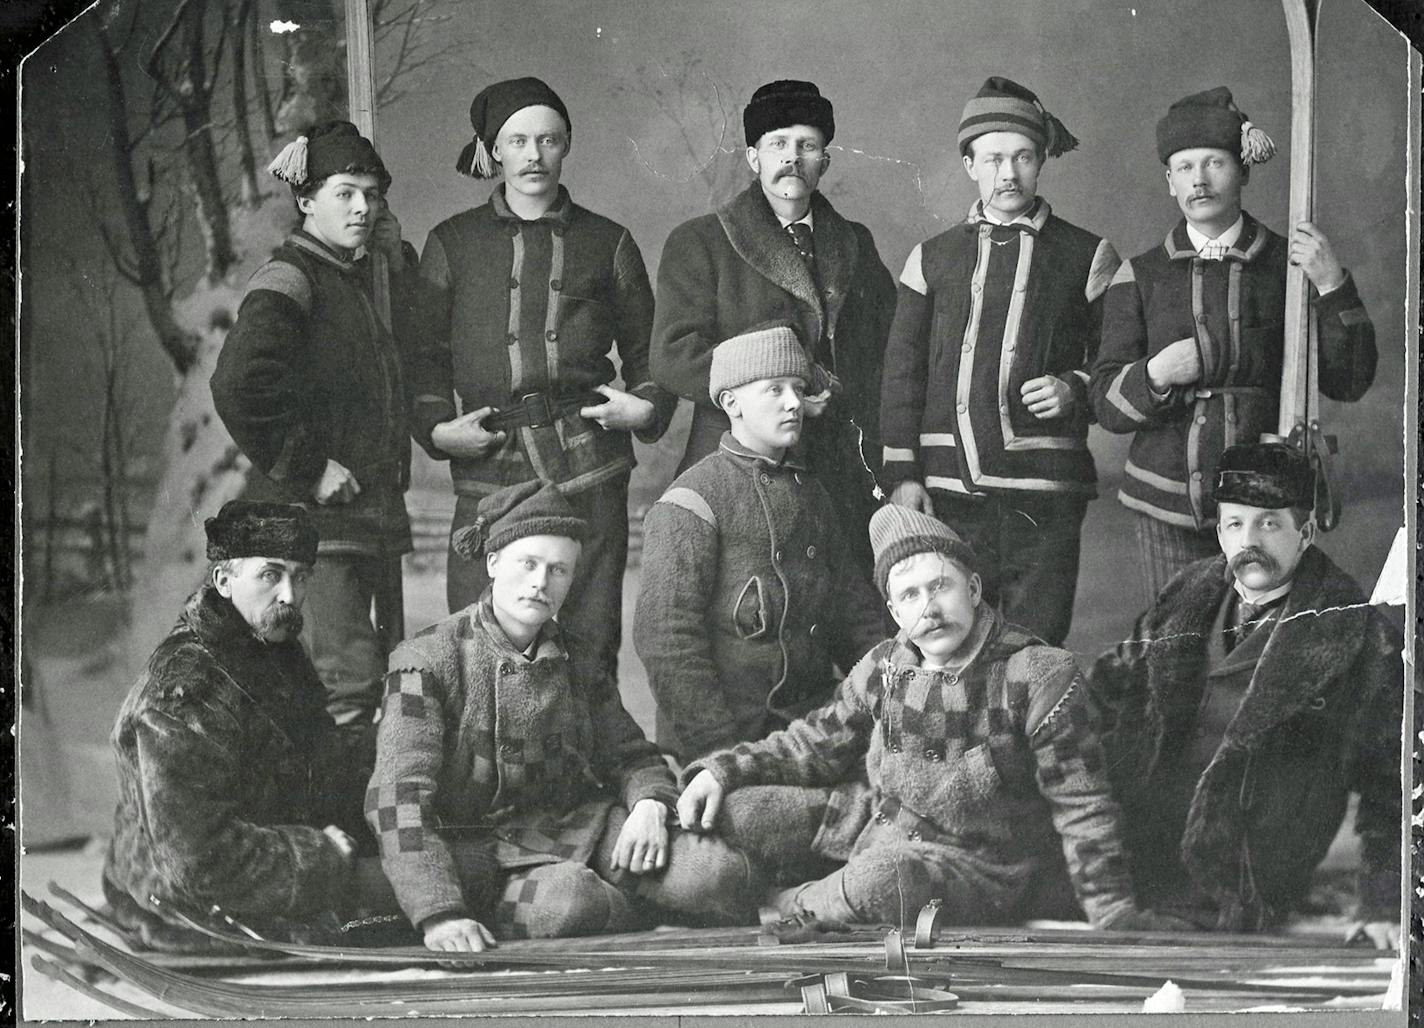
<point>991,436</point>
<point>1193,342</point>
<point>1255,695</point>
<point>309,386</point>
<point>523,299</point>
<point>779,250</point>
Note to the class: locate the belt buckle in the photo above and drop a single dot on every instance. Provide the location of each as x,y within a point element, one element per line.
<point>537,409</point>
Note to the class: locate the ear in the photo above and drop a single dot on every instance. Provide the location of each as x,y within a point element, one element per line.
<point>491,559</point>
<point>727,400</point>
<point>222,581</point>
<point>1167,173</point>
<point>306,204</point>
<point>1307,534</point>
<point>976,588</point>
<point>968,165</point>
<point>825,161</point>
<point>568,142</point>
<point>753,161</point>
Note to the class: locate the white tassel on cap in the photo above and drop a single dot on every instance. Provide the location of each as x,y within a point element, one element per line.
<point>291,164</point>
<point>483,164</point>
<point>1256,146</point>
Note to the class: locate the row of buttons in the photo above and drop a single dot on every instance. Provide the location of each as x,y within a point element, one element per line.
<point>554,283</point>
<point>880,818</point>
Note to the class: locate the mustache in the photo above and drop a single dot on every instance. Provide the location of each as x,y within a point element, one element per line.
<point>1251,555</point>
<point>277,619</point>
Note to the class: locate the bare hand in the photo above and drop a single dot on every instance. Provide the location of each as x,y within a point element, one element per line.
<point>912,494</point>
<point>699,803</point>
<point>815,404</point>
<point>386,238</point>
<point>1175,364</point>
<point>343,842</point>
<point>643,843</point>
<point>1382,934</point>
<point>1310,250</point>
<point>1047,396</point>
<point>336,485</point>
<point>466,436</point>
<point>623,412</point>
<point>458,934</point>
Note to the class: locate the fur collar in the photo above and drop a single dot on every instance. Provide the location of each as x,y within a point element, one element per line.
<point>759,239</point>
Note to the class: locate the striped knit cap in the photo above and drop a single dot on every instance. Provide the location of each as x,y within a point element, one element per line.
<point>898,532</point>
<point>768,350</point>
<point>1002,105</point>
<point>529,508</point>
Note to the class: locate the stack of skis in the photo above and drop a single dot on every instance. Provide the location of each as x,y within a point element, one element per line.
<point>792,967</point>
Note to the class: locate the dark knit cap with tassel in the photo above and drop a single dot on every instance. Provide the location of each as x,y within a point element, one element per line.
<point>787,102</point>
<point>898,532</point>
<point>1211,119</point>
<point>488,113</point>
<point>278,531</point>
<point>529,508</point>
<point>1002,105</point>
<point>331,148</point>
<point>1267,475</point>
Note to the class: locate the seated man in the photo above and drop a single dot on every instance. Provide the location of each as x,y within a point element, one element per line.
<point>512,791</point>
<point>1251,699</point>
<point>749,594</point>
<point>235,786</point>
<point>977,745</point>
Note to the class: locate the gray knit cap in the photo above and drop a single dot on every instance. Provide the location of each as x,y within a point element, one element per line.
<point>898,532</point>
<point>527,508</point>
<point>771,349</point>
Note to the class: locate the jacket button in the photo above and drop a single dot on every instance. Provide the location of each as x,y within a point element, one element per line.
<point>558,230</point>
<point>880,817</point>
<point>913,834</point>
<point>1231,418</point>
<point>968,347</point>
<point>551,335</point>
<point>811,551</point>
<point>1003,408</point>
<point>963,407</point>
<point>765,478</point>
<point>1021,288</point>
<point>931,755</point>
<point>813,630</point>
<point>1201,419</point>
<point>506,668</point>
<point>1201,319</point>
<point>513,282</point>
<point>894,747</point>
<point>952,678</point>
<point>1196,476</point>
<point>513,338</point>
<point>555,284</point>
<point>776,557</point>
<point>975,288</point>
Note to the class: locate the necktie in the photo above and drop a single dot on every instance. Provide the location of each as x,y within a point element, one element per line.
<point>1247,618</point>
<point>801,236</point>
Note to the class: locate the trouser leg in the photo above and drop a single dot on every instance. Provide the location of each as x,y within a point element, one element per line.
<point>1166,549</point>
<point>340,636</point>
<point>465,580</point>
<point>778,826</point>
<point>1039,545</point>
<point>558,900</point>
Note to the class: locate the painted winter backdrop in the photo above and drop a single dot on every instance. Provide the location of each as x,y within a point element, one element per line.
<point>146,126</point>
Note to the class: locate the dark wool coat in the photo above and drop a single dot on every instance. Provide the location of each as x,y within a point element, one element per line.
<point>509,307</point>
<point>1235,310</point>
<point>309,374</point>
<point>1321,717</point>
<point>978,316</point>
<point>521,758</point>
<point>747,599</point>
<point>229,767</point>
<point>725,272</point>
<point>993,770</point>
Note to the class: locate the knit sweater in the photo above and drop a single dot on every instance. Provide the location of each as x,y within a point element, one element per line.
<point>1235,310</point>
<point>986,761</point>
<point>983,309</point>
<point>510,307</point>
<point>521,757</point>
<point>747,598</point>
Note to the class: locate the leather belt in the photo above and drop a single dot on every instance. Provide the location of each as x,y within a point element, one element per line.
<point>539,410</point>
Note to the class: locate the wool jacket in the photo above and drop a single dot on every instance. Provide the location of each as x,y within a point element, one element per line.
<point>724,272</point>
<point>1320,718</point>
<point>510,307</point>
<point>523,758</point>
<point>1235,310</point>
<point>747,599</point>
<point>309,374</point>
<point>228,769</point>
<point>983,309</point>
<point>996,766</point>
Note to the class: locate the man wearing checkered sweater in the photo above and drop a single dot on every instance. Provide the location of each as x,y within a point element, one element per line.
<point>512,791</point>
<point>983,759</point>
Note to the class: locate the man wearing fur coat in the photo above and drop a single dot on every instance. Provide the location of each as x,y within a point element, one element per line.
<point>779,250</point>
<point>1255,695</point>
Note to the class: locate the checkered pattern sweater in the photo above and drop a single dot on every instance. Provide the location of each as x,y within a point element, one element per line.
<point>523,757</point>
<point>987,761</point>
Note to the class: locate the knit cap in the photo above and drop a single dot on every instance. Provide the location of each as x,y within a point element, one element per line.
<point>1002,105</point>
<point>280,531</point>
<point>331,148</point>
<point>1212,119</point>
<point>491,108</point>
<point>768,350</point>
<point>529,508</point>
<point>898,532</point>
<point>1269,475</point>
<point>787,102</point>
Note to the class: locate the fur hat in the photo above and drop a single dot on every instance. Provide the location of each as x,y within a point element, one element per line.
<point>1212,119</point>
<point>281,531</point>
<point>490,109</point>
<point>327,149</point>
<point>786,102</point>
<point>1269,475</point>
<point>768,350</point>
<point>529,508</point>
<point>898,532</point>
<point>1002,105</point>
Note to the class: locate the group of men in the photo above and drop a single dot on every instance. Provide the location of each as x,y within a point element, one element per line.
<point>867,700</point>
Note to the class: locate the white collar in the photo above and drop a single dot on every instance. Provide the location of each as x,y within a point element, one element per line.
<point>787,222</point>
<point>1264,598</point>
<point>1227,238</point>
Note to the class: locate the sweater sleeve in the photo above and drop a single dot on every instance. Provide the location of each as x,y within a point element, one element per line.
<point>1373,770</point>
<point>685,322</point>
<point>902,390</point>
<point>401,799</point>
<point>260,384</point>
<point>1101,271</point>
<point>826,747</point>
<point>430,378</point>
<point>1123,399</point>
<point>622,754</point>
<point>1347,343</point>
<point>1072,777</point>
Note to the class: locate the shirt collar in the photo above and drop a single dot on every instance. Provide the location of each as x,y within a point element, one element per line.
<point>807,221</point>
<point>1265,600</point>
<point>308,243</point>
<point>559,214</point>
<point>791,461</point>
<point>1226,240</point>
<point>1032,220</point>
